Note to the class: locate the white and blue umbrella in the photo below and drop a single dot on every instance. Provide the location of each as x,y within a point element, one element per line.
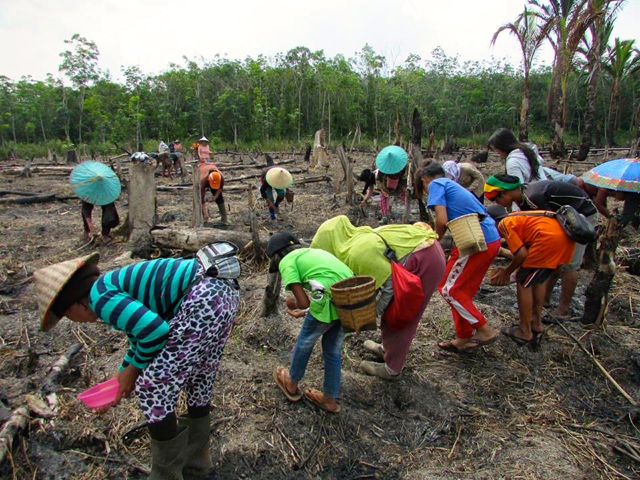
<point>95,183</point>
<point>622,175</point>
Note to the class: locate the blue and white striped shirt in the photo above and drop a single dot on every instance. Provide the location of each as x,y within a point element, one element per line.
<point>136,299</point>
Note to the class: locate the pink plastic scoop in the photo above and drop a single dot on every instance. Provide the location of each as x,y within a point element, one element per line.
<point>100,395</point>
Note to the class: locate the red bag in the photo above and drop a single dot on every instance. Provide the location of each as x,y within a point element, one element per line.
<point>407,297</point>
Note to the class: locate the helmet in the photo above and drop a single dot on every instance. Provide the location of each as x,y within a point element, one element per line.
<point>279,241</point>
<point>215,179</point>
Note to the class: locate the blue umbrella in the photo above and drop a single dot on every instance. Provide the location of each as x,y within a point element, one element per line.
<point>622,175</point>
<point>95,183</point>
<point>391,159</point>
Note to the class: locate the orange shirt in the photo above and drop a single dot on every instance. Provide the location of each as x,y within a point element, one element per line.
<point>544,238</point>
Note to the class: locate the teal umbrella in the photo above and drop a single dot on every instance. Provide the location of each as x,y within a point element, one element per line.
<point>95,183</point>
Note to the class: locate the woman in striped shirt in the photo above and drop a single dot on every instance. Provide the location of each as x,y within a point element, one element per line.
<point>177,321</point>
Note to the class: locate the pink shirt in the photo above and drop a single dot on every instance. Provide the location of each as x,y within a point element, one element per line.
<point>204,153</point>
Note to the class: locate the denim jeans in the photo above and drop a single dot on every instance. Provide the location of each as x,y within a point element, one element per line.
<point>332,337</point>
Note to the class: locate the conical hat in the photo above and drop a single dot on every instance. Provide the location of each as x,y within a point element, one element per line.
<point>51,280</point>
<point>279,178</point>
<point>204,139</point>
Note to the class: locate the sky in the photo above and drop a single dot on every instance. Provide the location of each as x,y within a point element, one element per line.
<point>155,33</point>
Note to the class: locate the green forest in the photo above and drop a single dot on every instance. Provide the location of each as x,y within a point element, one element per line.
<point>589,95</point>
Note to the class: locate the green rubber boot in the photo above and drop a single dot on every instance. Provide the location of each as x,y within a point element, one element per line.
<point>168,458</point>
<point>223,213</point>
<point>198,458</point>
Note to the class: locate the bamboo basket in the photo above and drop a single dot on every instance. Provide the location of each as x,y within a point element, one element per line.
<point>289,195</point>
<point>467,234</point>
<point>354,298</point>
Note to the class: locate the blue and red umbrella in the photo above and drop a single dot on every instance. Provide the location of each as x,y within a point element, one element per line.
<point>621,175</point>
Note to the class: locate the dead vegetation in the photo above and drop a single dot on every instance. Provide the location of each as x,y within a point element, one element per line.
<point>507,412</point>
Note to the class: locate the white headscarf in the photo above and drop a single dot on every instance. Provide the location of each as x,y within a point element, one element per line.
<point>452,170</point>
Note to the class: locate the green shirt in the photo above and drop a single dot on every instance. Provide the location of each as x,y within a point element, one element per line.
<point>316,270</point>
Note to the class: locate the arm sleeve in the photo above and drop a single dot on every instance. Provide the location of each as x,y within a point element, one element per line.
<point>436,195</point>
<point>147,331</point>
<point>514,168</point>
<point>289,272</point>
<point>263,190</point>
<point>514,242</point>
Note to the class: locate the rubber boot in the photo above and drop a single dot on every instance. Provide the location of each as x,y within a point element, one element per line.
<point>168,457</point>
<point>198,458</point>
<point>223,212</point>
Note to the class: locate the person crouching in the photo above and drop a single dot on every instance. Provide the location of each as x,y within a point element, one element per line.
<point>313,270</point>
<point>177,321</point>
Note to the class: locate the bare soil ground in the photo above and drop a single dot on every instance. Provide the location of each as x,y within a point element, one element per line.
<point>505,412</point>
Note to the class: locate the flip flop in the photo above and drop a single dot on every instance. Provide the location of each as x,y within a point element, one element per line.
<point>309,394</point>
<point>510,332</point>
<point>292,397</point>
<point>476,344</point>
<point>450,347</point>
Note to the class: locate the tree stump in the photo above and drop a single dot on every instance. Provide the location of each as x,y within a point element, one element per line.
<point>26,171</point>
<point>72,157</point>
<point>142,208</point>
<point>271,295</point>
<point>307,153</point>
<point>597,292</point>
<point>197,220</point>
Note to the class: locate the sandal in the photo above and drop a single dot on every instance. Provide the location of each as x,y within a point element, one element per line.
<point>510,332</point>
<point>475,344</point>
<point>448,346</point>
<point>311,394</point>
<point>292,397</point>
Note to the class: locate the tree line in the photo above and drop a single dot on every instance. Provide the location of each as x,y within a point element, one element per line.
<point>589,95</point>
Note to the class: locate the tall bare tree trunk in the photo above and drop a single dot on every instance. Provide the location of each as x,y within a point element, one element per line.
<point>635,145</point>
<point>523,135</point>
<point>589,117</point>
<point>613,112</point>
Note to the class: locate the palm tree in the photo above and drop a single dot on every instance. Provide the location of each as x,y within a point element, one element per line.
<point>530,34</point>
<point>623,61</point>
<point>594,48</point>
<point>566,21</point>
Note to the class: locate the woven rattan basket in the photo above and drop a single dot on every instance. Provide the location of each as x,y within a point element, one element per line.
<point>467,234</point>
<point>354,299</point>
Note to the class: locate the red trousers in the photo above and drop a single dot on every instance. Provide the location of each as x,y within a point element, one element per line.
<point>461,282</point>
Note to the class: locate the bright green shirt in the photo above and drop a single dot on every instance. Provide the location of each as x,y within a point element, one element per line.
<point>316,270</point>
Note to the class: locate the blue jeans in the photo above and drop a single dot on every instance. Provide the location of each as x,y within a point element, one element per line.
<point>332,337</point>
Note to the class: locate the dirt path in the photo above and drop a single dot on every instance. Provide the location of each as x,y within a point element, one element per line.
<point>506,412</point>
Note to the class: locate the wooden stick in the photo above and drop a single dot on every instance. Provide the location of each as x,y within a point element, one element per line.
<point>597,364</point>
<point>198,219</point>
<point>58,367</point>
<point>16,423</point>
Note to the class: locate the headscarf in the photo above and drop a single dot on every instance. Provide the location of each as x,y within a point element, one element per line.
<point>362,249</point>
<point>452,170</point>
<point>499,183</point>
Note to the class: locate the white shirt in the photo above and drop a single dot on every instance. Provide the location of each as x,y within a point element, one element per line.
<point>518,166</point>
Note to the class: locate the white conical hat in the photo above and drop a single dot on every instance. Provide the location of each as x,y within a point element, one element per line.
<point>51,280</point>
<point>204,139</point>
<point>279,178</point>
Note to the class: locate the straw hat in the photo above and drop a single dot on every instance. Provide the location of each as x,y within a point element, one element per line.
<point>279,178</point>
<point>51,280</point>
<point>204,139</point>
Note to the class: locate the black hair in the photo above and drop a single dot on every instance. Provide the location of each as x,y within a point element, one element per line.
<point>430,169</point>
<point>480,157</point>
<point>504,139</point>
<point>366,175</point>
<point>274,263</point>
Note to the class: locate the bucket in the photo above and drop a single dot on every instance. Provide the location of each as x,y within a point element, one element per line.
<point>289,195</point>
<point>354,298</point>
<point>467,234</point>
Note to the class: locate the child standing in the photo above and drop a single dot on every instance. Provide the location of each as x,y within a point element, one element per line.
<point>177,321</point>
<point>464,274</point>
<point>539,246</point>
<point>313,270</point>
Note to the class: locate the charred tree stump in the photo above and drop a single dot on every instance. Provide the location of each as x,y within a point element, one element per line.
<point>597,292</point>
<point>307,153</point>
<point>253,221</point>
<point>320,157</point>
<point>142,208</point>
<point>271,295</point>
<point>72,157</point>
<point>197,220</point>
<point>26,171</point>
<point>416,159</point>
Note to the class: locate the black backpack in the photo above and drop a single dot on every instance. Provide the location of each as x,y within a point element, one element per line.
<point>574,224</point>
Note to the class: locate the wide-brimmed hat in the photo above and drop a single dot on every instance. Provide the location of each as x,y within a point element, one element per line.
<point>391,159</point>
<point>204,139</point>
<point>279,178</point>
<point>51,280</point>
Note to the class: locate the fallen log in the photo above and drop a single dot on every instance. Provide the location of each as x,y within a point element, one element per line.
<point>16,192</point>
<point>192,240</point>
<point>58,367</point>
<point>256,175</point>
<point>16,423</point>
<point>319,178</point>
<point>37,199</point>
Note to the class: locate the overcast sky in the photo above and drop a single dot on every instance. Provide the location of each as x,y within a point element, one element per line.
<point>154,33</point>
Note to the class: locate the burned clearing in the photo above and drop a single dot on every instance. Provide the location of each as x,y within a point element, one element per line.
<point>503,412</point>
